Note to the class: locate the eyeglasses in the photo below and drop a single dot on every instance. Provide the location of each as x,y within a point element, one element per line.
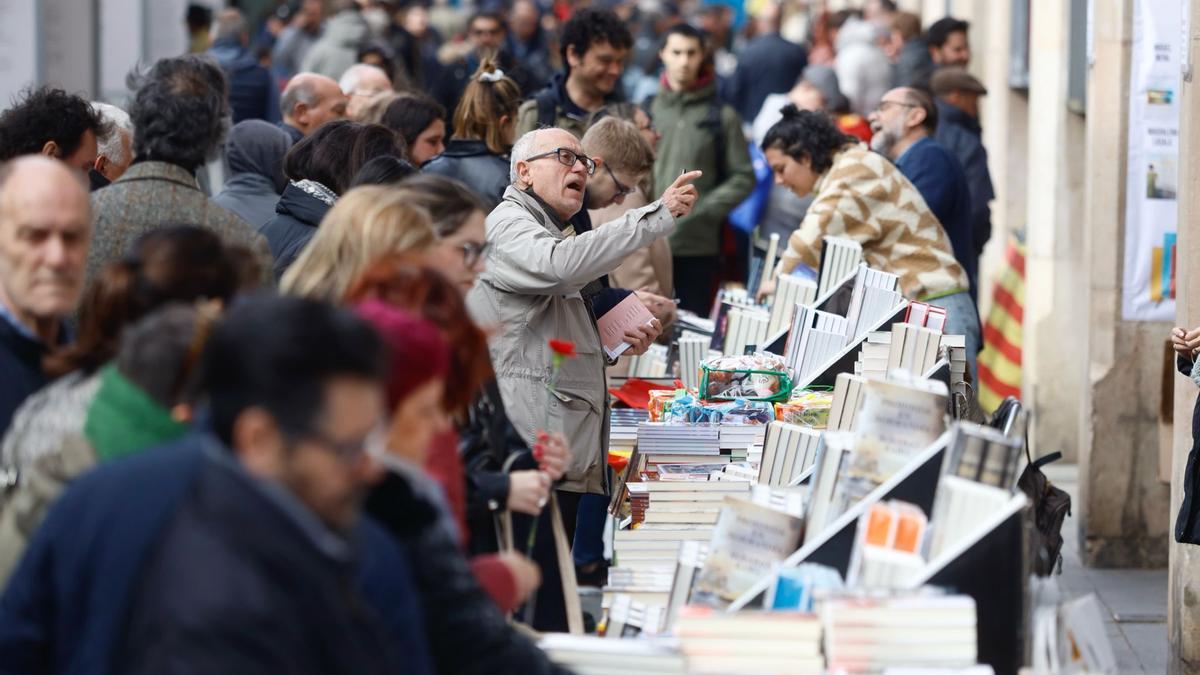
<point>373,444</point>
<point>568,157</point>
<point>884,104</point>
<point>473,252</point>
<point>622,190</point>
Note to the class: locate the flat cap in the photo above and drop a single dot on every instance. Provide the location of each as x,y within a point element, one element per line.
<point>946,80</point>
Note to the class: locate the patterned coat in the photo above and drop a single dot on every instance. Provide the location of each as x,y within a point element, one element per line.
<point>865,198</point>
<point>151,195</point>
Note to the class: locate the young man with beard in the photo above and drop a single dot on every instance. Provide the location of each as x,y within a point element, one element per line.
<point>698,133</point>
<point>594,45</point>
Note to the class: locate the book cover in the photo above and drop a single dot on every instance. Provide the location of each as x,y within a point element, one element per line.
<point>629,314</point>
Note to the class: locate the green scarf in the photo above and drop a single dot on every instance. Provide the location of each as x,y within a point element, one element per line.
<point>123,420</point>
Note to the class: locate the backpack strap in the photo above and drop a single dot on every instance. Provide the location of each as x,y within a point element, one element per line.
<point>547,104</point>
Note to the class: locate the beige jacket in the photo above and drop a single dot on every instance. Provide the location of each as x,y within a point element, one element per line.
<point>530,293</point>
<point>864,197</point>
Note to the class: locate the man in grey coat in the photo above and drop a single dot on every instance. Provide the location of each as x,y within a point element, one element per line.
<point>537,270</point>
<point>179,118</point>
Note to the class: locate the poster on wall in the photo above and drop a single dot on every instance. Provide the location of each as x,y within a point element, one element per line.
<point>1152,177</point>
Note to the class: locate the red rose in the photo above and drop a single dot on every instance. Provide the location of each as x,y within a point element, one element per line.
<point>563,347</point>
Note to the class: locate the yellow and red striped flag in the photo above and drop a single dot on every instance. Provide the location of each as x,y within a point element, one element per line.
<point>1000,360</point>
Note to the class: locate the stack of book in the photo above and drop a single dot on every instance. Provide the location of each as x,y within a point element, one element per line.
<point>654,363</point>
<point>690,499</point>
<point>627,617</point>
<point>926,315</point>
<point>985,455</point>
<point>960,509</point>
<point>906,347</point>
<point>745,327</point>
<point>623,424</point>
<point>876,295</point>
<point>790,291</point>
<point>833,455</point>
<point>693,350</point>
<point>840,259</point>
<point>888,546</point>
<point>597,656</point>
<point>686,440</point>
<point>789,451</point>
<point>815,337</point>
<point>871,634</point>
<point>749,541</point>
<point>847,399</point>
<point>743,437</point>
<point>727,300</point>
<point>749,642</point>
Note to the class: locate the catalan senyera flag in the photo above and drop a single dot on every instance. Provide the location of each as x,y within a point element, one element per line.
<point>1000,360</point>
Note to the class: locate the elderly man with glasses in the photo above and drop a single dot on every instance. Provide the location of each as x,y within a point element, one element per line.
<point>538,285</point>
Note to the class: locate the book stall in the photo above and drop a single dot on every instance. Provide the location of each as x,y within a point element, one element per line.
<point>799,496</point>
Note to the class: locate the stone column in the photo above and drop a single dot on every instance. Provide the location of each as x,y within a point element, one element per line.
<point>1123,514</point>
<point>1055,319</point>
<point>1183,595</point>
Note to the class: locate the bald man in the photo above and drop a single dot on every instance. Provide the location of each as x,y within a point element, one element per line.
<point>360,83</point>
<point>45,230</point>
<point>309,101</point>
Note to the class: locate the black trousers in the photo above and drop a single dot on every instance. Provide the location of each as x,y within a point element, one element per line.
<point>550,610</point>
<point>696,282</point>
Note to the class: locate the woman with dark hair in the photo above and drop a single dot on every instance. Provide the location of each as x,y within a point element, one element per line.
<point>485,124</point>
<point>173,264</point>
<point>320,168</point>
<point>421,122</point>
<point>860,195</point>
<point>386,170</point>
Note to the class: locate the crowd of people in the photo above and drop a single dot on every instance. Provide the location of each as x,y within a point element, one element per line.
<point>279,388</point>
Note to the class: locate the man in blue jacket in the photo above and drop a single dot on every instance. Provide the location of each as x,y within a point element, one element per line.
<point>958,93</point>
<point>904,125</point>
<point>234,550</point>
<point>252,91</point>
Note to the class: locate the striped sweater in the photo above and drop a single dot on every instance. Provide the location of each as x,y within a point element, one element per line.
<point>865,198</point>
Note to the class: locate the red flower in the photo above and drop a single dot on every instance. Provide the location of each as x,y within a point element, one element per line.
<point>563,347</point>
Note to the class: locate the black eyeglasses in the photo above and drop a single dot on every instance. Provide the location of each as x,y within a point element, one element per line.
<point>622,189</point>
<point>374,443</point>
<point>473,252</point>
<point>568,157</point>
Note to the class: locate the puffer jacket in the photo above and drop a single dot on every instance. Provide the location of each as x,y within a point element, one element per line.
<point>531,293</point>
<point>474,165</point>
<point>337,48</point>
<point>687,144</point>
<point>297,217</point>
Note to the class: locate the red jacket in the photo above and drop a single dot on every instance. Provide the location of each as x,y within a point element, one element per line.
<point>445,466</point>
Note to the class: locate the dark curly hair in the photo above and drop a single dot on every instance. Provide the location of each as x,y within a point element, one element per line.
<point>45,114</point>
<point>803,133</point>
<point>337,150</point>
<point>180,112</point>
<point>590,26</point>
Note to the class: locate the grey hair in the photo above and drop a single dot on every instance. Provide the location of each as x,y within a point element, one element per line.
<point>353,75</point>
<point>299,91</point>
<point>118,123</point>
<point>231,23</point>
<point>521,151</point>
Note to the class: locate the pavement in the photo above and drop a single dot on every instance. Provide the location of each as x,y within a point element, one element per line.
<point>1134,601</point>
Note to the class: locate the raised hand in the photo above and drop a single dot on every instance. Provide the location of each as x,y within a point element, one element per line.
<point>681,196</point>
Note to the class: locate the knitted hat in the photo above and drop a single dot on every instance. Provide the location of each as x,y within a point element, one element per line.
<point>417,351</point>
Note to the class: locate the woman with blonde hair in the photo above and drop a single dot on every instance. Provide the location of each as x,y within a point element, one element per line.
<point>366,223</point>
<point>485,123</point>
